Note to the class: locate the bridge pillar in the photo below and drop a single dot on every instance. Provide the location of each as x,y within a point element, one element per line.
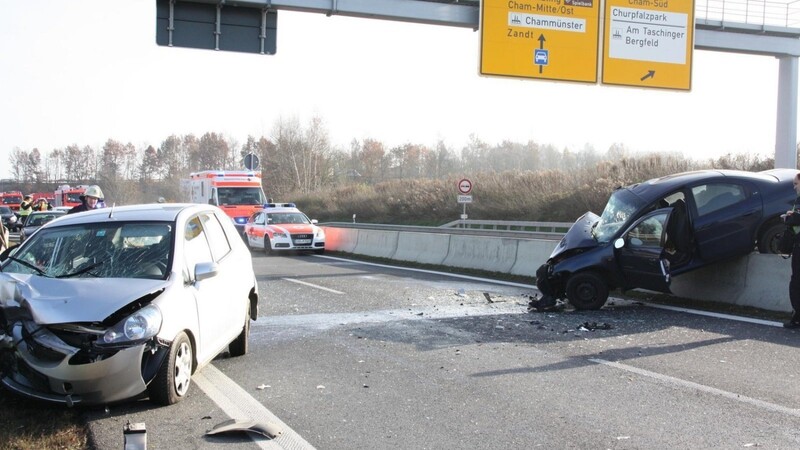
<point>786,132</point>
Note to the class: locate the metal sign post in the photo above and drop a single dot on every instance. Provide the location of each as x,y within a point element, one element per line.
<point>464,188</point>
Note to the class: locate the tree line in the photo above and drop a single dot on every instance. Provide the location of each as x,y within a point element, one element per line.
<point>298,160</point>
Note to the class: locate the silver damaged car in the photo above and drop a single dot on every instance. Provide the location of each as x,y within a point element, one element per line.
<point>122,303</point>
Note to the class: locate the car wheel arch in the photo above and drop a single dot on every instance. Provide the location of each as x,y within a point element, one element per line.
<point>766,233</point>
<point>587,289</point>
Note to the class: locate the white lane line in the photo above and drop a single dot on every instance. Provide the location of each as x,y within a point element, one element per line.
<point>700,387</point>
<point>411,269</point>
<point>316,286</point>
<point>696,312</point>
<point>238,404</point>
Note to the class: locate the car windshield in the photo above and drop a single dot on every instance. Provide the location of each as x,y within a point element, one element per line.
<point>101,250</point>
<point>12,200</point>
<point>296,217</point>
<point>37,220</point>
<point>5,210</point>
<point>240,196</point>
<point>618,212</point>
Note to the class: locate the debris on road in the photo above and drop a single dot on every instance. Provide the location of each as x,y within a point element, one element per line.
<point>267,429</point>
<point>592,326</point>
<point>544,304</point>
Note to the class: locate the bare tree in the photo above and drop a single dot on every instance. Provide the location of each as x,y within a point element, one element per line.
<point>17,164</point>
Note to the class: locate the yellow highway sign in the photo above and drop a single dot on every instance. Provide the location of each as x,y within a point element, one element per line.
<point>546,39</point>
<point>648,43</point>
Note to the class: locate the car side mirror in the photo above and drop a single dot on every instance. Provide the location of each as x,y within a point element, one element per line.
<point>619,243</point>
<point>314,221</point>
<point>7,252</point>
<point>205,270</point>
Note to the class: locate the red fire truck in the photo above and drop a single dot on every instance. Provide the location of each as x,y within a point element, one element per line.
<point>66,195</point>
<point>238,193</point>
<point>12,199</point>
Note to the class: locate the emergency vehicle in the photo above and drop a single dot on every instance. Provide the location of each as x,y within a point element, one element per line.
<point>238,193</point>
<point>282,227</point>
<point>67,195</point>
<point>12,199</point>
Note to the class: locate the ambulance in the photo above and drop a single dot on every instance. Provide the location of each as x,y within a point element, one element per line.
<point>238,193</point>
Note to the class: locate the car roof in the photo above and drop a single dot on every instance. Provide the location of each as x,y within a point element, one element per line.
<point>657,187</point>
<point>51,211</point>
<point>158,212</point>
<point>281,210</point>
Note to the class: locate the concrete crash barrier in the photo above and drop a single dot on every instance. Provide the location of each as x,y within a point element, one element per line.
<point>341,239</point>
<point>377,243</point>
<point>493,254</point>
<point>531,253</point>
<point>757,280</point>
<point>426,248</point>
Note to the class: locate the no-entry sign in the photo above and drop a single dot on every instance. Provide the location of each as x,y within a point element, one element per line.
<point>465,186</point>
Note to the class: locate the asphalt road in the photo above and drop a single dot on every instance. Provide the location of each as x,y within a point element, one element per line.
<point>352,356</point>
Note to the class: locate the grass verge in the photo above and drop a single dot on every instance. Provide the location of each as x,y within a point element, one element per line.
<point>27,424</point>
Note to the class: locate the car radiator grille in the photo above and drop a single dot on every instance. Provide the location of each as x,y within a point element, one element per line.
<point>308,237</point>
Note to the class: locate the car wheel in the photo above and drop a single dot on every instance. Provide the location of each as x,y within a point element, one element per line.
<point>587,290</point>
<point>239,346</point>
<point>267,246</point>
<point>768,241</point>
<point>246,241</point>
<point>172,382</point>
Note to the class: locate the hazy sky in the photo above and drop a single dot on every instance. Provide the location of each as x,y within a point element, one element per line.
<point>81,72</point>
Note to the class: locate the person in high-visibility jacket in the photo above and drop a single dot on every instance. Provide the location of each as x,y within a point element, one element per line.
<point>25,209</point>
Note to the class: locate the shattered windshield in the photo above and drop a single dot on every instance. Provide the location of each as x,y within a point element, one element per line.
<point>101,250</point>
<point>618,212</point>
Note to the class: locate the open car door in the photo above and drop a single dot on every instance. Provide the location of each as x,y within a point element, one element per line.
<point>640,252</point>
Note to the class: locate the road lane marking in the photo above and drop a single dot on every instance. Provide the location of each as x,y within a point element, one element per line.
<point>316,286</point>
<point>238,404</point>
<point>770,323</point>
<point>700,387</point>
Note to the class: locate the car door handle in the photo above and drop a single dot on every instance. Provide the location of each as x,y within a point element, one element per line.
<point>750,213</point>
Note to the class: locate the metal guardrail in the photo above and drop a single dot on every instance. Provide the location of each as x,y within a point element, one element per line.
<point>762,13</point>
<point>496,228</point>
<point>511,225</point>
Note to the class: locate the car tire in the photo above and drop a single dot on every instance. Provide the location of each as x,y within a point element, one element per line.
<point>267,246</point>
<point>587,290</point>
<point>246,241</point>
<point>239,346</point>
<point>174,376</point>
<point>768,240</point>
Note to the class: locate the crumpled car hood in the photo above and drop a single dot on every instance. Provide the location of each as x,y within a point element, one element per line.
<point>579,235</point>
<point>51,300</point>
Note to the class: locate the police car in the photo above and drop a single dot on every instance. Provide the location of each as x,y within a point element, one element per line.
<point>280,227</point>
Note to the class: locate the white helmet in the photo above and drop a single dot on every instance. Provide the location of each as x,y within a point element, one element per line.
<point>93,191</point>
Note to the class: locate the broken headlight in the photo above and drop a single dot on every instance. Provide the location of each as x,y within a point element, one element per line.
<point>138,327</point>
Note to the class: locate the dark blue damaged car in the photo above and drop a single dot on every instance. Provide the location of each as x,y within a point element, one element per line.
<point>653,230</point>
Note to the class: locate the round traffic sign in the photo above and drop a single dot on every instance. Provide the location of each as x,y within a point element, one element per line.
<point>250,161</point>
<point>465,186</point>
